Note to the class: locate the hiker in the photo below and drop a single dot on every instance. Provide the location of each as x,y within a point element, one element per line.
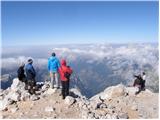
<point>65,73</point>
<point>144,80</point>
<point>53,66</point>
<point>20,73</point>
<point>138,83</point>
<point>31,74</point>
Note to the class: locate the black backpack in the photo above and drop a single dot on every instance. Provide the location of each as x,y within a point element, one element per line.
<point>67,75</point>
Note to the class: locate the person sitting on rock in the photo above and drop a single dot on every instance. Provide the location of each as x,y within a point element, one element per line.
<point>65,73</point>
<point>20,73</point>
<point>31,74</point>
<point>138,83</point>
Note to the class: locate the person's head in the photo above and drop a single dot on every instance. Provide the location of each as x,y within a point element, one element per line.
<point>63,62</point>
<point>53,54</point>
<point>30,61</point>
<point>22,64</point>
<point>143,73</point>
<point>139,75</point>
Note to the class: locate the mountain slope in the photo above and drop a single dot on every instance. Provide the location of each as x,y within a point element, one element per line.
<point>114,102</point>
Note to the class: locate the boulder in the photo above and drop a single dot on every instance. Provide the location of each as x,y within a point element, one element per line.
<point>131,91</point>
<point>69,100</point>
<point>3,105</point>
<point>111,92</point>
<point>14,96</point>
<point>117,91</point>
<point>17,85</point>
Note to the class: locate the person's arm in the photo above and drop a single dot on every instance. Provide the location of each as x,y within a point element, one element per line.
<point>58,64</point>
<point>32,71</point>
<point>49,64</point>
<point>69,70</point>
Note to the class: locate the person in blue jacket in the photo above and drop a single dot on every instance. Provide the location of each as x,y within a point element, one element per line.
<point>30,75</point>
<point>53,68</point>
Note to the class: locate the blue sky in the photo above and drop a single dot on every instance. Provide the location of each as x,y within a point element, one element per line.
<point>39,23</point>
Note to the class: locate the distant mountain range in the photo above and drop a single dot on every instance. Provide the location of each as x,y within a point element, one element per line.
<point>96,66</point>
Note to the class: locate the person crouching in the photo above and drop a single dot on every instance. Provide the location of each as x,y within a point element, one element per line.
<point>65,72</point>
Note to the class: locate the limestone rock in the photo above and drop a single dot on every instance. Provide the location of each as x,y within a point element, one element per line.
<point>34,97</point>
<point>69,100</point>
<point>49,109</point>
<point>50,91</point>
<point>123,116</point>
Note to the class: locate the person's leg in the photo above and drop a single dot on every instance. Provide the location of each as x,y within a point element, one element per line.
<point>67,87</point>
<point>29,86</point>
<point>143,85</point>
<point>56,79</point>
<point>139,90</point>
<point>63,89</point>
<point>52,79</point>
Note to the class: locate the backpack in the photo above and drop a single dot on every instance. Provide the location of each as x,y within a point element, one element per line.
<point>67,75</point>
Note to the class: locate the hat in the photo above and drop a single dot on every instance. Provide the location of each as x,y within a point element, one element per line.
<point>30,60</point>
<point>53,54</point>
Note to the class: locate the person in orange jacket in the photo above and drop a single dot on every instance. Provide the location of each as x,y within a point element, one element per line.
<point>65,73</point>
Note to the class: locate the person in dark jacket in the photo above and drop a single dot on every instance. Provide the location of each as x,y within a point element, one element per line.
<point>30,74</point>
<point>20,73</point>
<point>138,83</point>
<point>65,72</point>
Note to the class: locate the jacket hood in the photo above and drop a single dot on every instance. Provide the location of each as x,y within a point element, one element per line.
<point>52,58</point>
<point>63,62</point>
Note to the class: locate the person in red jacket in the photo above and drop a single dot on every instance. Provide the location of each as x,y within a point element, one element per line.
<point>65,72</point>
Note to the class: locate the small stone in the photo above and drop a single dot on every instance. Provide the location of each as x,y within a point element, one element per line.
<point>101,105</point>
<point>34,97</point>
<point>50,91</point>
<point>134,107</point>
<point>49,109</point>
<point>13,110</point>
<point>123,116</point>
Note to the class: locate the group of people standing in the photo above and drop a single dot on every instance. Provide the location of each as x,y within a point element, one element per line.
<point>59,73</point>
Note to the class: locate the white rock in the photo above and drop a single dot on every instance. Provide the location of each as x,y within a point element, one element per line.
<point>134,107</point>
<point>34,97</point>
<point>17,85</point>
<point>14,96</point>
<point>25,96</point>
<point>50,91</point>
<point>49,109</point>
<point>14,109</point>
<point>69,100</point>
<point>111,92</point>
<point>123,116</point>
<point>131,91</point>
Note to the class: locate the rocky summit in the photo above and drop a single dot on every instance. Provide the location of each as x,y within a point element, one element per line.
<point>115,102</point>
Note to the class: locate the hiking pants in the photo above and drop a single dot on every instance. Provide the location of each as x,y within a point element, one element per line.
<point>31,84</point>
<point>143,85</point>
<point>65,88</point>
<point>54,79</point>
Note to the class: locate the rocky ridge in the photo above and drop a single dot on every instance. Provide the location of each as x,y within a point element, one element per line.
<point>115,102</point>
